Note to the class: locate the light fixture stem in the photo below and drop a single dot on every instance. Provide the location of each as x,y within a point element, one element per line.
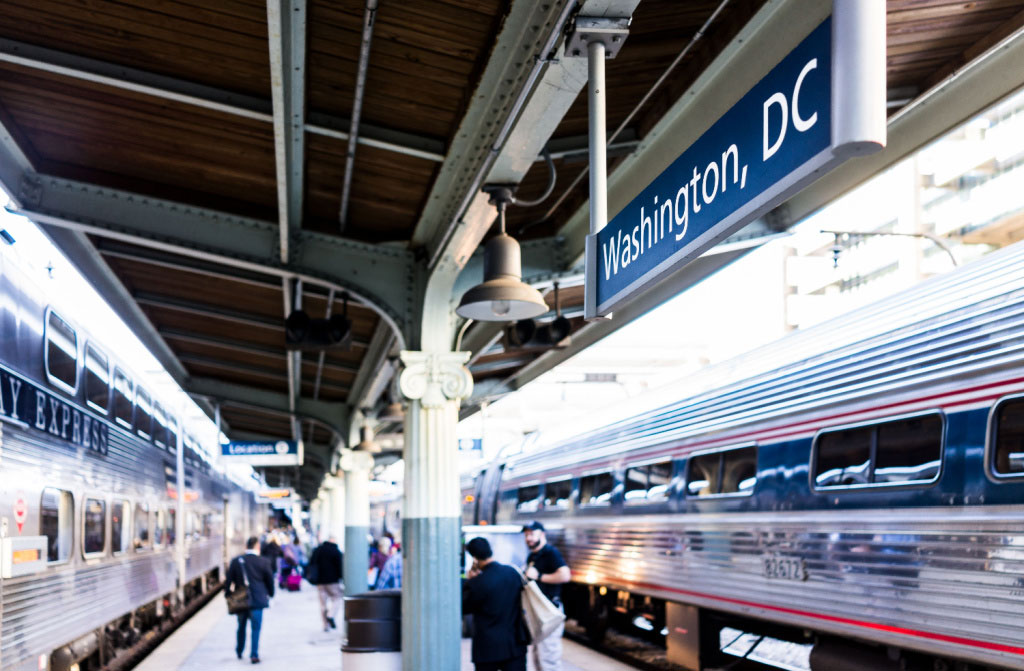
<point>501,215</point>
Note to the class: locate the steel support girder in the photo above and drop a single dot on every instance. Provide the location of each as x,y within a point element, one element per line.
<point>334,416</point>
<point>14,164</point>
<point>375,371</point>
<point>515,110</point>
<point>207,97</point>
<point>286,27</point>
<point>378,275</point>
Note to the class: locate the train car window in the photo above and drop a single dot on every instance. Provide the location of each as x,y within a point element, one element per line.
<point>900,451</point>
<point>61,353</point>
<point>659,478</point>
<point>97,379</point>
<point>909,450</point>
<point>1008,436</point>
<point>120,527</point>
<point>122,398</point>
<point>94,527</point>
<point>172,435</point>
<point>739,470</point>
<point>703,474</point>
<point>732,471</point>
<point>596,489</point>
<point>141,526</point>
<point>159,426</point>
<point>557,493</point>
<point>526,499</point>
<point>158,528</point>
<point>56,522</point>
<point>843,457</point>
<point>636,484</point>
<point>170,529</point>
<point>143,413</point>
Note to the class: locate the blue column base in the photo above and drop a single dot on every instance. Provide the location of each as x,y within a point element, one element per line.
<point>431,594</point>
<point>357,559</point>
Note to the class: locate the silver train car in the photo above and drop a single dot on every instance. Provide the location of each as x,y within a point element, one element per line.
<point>858,486</point>
<point>89,499</point>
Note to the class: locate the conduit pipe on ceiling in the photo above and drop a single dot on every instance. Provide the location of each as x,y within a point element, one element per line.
<point>369,17</point>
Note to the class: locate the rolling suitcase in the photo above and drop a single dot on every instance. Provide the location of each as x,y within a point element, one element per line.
<point>294,582</point>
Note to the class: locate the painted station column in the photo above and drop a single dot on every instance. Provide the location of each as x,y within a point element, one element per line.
<point>337,527</point>
<point>315,519</point>
<point>434,383</point>
<point>357,467</point>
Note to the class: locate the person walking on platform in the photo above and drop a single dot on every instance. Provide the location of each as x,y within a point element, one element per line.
<point>545,565</point>
<point>271,551</point>
<point>252,572</point>
<point>492,594</point>
<point>324,571</point>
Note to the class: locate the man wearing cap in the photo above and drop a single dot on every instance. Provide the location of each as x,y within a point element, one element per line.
<point>545,565</point>
<point>493,596</point>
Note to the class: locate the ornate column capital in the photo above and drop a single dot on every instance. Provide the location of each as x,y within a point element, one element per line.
<point>435,377</point>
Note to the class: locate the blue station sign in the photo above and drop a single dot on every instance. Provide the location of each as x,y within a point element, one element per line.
<point>267,453</point>
<point>780,136</point>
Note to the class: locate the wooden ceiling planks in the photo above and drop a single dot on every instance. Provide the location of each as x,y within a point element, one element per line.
<point>131,141</point>
<point>422,57</point>
<point>173,38</point>
<point>387,190</point>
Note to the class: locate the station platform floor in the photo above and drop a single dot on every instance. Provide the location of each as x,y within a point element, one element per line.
<point>291,639</point>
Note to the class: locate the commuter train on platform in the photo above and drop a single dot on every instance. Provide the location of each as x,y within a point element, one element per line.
<point>88,495</point>
<point>858,486</point>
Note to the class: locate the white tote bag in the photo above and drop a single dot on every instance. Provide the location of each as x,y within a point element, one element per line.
<point>542,616</point>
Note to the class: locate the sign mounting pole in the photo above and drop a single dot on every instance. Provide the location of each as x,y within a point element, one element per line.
<point>603,38</point>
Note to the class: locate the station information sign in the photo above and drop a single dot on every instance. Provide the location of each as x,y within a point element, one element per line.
<point>268,453</point>
<point>22,555</point>
<point>817,107</point>
<point>282,496</point>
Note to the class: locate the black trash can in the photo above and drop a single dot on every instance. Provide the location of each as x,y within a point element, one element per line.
<point>373,631</point>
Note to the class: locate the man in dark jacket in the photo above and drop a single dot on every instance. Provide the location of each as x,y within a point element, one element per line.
<point>492,594</point>
<point>260,579</point>
<point>325,569</point>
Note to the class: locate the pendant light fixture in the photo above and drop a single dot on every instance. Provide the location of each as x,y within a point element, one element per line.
<point>502,296</point>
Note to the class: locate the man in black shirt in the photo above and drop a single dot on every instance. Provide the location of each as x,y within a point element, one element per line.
<point>325,571</point>
<point>493,596</point>
<point>545,565</point>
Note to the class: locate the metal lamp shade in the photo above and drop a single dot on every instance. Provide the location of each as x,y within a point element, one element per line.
<point>502,296</point>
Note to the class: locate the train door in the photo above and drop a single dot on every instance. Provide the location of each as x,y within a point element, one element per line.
<point>226,536</point>
<point>487,493</point>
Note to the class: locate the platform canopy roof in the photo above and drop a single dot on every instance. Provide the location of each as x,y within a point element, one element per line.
<point>193,158</point>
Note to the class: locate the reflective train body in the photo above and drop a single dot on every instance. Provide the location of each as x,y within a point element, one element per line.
<point>88,495</point>
<point>858,483</point>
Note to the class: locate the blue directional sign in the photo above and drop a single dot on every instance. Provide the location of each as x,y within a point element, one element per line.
<point>267,453</point>
<point>774,141</point>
